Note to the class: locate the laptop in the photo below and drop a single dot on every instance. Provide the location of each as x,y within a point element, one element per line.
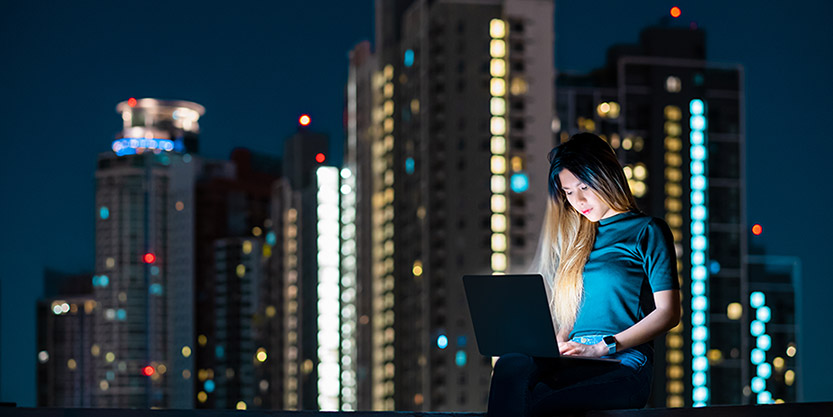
<point>511,314</point>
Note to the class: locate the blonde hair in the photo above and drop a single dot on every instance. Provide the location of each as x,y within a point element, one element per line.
<point>567,237</point>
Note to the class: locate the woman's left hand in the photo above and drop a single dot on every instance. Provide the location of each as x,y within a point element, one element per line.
<point>579,349</point>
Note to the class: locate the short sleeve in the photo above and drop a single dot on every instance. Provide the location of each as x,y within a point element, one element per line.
<point>656,246</point>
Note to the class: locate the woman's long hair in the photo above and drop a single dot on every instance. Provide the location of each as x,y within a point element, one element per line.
<point>567,237</point>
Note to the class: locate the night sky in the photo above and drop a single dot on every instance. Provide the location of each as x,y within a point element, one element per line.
<point>256,66</point>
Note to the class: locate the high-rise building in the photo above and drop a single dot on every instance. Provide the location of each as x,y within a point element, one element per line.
<point>450,131</point>
<point>771,323</point>
<point>134,248</point>
<point>314,203</point>
<point>66,350</point>
<point>675,121</point>
<point>234,242</point>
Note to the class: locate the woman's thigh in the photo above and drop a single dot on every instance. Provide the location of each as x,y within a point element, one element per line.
<point>626,387</point>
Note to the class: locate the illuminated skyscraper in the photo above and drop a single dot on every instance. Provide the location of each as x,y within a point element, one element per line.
<point>65,341</point>
<point>234,242</point>
<point>359,140</point>
<point>134,251</point>
<point>449,134</point>
<point>315,205</point>
<point>771,322</point>
<point>675,121</point>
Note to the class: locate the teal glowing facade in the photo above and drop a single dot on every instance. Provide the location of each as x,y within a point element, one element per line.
<point>699,245</point>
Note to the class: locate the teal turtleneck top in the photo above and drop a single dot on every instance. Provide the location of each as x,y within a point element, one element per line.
<point>632,258</point>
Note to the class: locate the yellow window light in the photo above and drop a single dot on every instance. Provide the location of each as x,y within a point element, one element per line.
<point>498,204</point>
<point>498,164</point>
<point>497,48</point>
<point>497,28</point>
<point>497,67</point>
<point>498,223</point>
<point>498,106</point>
<point>498,184</point>
<point>498,125</point>
<point>498,145</point>
<point>497,87</point>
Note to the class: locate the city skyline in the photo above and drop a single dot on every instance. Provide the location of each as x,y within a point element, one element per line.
<point>12,291</point>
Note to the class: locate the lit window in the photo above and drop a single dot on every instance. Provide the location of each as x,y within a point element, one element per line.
<point>497,67</point>
<point>498,145</point>
<point>498,204</point>
<point>498,87</point>
<point>497,48</point>
<point>673,113</point>
<point>498,164</point>
<point>498,184</point>
<point>498,125</point>
<point>498,106</point>
<point>734,311</point>
<point>673,84</point>
<point>497,28</point>
<point>519,86</point>
<point>498,262</point>
<point>498,223</point>
<point>498,242</point>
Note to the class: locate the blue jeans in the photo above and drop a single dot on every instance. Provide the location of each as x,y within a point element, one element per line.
<point>528,386</point>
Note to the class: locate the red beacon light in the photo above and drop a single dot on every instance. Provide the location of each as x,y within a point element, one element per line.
<point>304,120</point>
<point>148,371</point>
<point>131,102</point>
<point>757,230</point>
<point>320,158</point>
<point>149,258</point>
<point>676,12</point>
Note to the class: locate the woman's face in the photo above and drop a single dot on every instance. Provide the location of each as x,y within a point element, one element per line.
<point>583,198</point>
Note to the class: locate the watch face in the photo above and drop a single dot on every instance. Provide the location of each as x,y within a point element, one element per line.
<point>609,340</point>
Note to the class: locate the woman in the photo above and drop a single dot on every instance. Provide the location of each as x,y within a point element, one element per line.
<point>613,275</point>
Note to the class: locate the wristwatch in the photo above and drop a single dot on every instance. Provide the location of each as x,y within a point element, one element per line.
<point>610,341</point>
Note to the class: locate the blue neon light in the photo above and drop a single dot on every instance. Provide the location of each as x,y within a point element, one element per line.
<point>104,212</point>
<point>698,379</point>
<point>757,299</point>
<point>758,384</point>
<point>156,289</point>
<point>442,341</point>
<point>219,352</point>
<point>701,394</point>
<point>208,386</point>
<point>410,165</point>
<point>698,318</point>
<point>765,370</point>
<point>409,58</point>
<point>764,314</point>
<point>698,348</point>
<point>519,182</point>
<point>765,397</point>
<point>129,146</point>
<point>698,257</point>
<point>121,315</point>
<point>714,267</point>
<point>271,238</point>
<point>697,107</point>
<point>699,245</point>
<point>757,328</point>
<point>764,342</point>
<point>758,356</point>
<point>698,227</point>
<point>460,358</point>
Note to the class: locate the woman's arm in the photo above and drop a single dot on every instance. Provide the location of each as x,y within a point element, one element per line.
<point>663,318</point>
<point>563,334</point>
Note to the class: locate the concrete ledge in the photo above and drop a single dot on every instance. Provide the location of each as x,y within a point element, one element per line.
<point>821,409</point>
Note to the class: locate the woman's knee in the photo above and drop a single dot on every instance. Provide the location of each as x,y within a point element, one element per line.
<point>513,364</point>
